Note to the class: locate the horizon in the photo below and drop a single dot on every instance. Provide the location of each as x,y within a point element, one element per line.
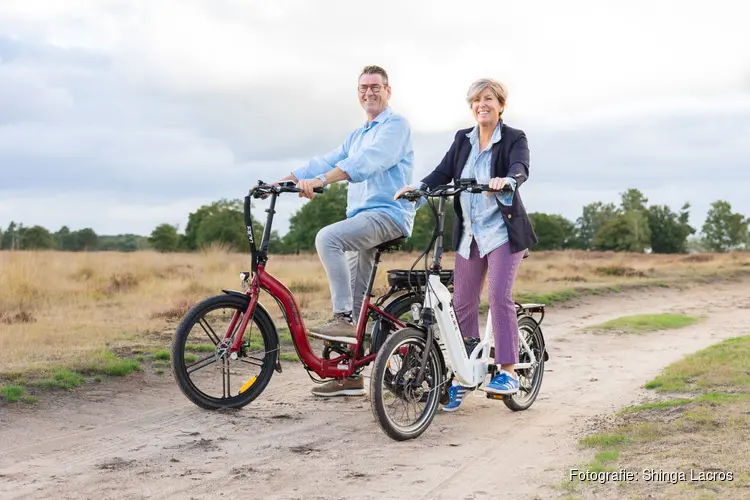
<point>256,208</point>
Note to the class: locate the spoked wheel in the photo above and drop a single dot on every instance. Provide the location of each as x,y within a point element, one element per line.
<point>403,408</point>
<point>529,379</point>
<point>205,371</point>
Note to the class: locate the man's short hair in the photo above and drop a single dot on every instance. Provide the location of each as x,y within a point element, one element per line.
<point>375,70</point>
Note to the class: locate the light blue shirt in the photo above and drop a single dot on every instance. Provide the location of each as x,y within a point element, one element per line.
<point>379,159</point>
<point>483,220</point>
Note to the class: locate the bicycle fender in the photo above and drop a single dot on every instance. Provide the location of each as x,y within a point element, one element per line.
<point>263,315</point>
<point>544,342</point>
<point>541,334</point>
<point>378,336</point>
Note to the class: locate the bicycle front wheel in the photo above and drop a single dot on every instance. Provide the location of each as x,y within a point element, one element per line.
<point>206,373</point>
<point>404,408</point>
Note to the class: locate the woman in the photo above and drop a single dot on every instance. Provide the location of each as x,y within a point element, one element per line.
<point>492,230</point>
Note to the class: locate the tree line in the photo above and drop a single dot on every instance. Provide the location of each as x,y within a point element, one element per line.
<point>19,237</point>
<point>630,226</point>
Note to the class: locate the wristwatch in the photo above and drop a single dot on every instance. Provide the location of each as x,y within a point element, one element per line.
<point>322,178</point>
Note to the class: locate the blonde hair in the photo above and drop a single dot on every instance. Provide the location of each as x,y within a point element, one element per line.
<point>497,88</point>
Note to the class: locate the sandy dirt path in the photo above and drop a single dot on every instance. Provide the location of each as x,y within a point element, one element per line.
<point>141,438</point>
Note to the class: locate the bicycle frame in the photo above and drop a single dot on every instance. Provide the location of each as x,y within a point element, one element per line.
<point>470,369</point>
<point>339,367</point>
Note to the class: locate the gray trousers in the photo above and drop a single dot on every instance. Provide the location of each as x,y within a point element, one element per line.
<point>347,251</point>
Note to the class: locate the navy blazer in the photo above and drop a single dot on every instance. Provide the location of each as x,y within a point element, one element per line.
<point>510,158</point>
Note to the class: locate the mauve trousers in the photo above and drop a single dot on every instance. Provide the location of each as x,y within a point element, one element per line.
<point>502,266</point>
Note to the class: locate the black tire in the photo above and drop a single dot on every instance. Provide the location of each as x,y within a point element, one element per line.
<point>264,325</point>
<point>434,367</point>
<point>397,308</point>
<point>532,333</point>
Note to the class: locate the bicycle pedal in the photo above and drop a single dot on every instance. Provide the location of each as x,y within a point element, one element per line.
<point>492,395</point>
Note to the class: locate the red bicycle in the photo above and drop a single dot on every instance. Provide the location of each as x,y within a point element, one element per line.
<point>198,352</point>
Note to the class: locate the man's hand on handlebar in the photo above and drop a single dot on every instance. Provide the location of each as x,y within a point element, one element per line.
<point>401,191</point>
<point>263,190</point>
<point>307,185</point>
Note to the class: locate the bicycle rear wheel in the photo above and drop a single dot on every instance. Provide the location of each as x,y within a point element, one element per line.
<point>393,388</point>
<point>529,379</point>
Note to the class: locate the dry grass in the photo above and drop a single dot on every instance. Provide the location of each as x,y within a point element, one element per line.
<point>60,310</point>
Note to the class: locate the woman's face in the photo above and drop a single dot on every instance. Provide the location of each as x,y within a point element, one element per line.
<point>486,108</point>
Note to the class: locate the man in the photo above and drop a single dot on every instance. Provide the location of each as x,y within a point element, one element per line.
<point>376,159</point>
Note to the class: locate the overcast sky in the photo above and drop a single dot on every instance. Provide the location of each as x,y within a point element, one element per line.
<point>120,115</point>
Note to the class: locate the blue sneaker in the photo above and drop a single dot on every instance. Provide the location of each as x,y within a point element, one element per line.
<point>456,394</point>
<point>502,383</point>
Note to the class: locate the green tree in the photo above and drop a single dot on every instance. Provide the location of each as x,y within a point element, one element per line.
<point>221,222</point>
<point>196,218</point>
<point>594,217</point>
<point>723,229</point>
<point>63,239</point>
<point>324,209</point>
<point>123,243</point>
<point>10,237</point>
<point>633,200</point>
<point>669,230</point>
<point>225,227</point>
<point>554,232</point>
<point>164,238</point>
<point>624,228</point>
<point>85,240</point>
<point>633,204</point>
<point>623,232</point>
<point>424,227</point>
<point>36,238</point>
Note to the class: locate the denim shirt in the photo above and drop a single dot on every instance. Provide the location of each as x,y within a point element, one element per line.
<point>379,159</point>
<point>482,218</point>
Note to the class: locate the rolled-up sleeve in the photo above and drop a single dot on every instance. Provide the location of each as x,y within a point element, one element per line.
<point>384,152</point>
<point>321,164</point>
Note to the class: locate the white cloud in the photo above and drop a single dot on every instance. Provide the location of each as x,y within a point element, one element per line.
<point>177,103</point>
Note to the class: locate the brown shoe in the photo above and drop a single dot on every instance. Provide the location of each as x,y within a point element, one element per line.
<point>346,387</point>
<point>339,327</point>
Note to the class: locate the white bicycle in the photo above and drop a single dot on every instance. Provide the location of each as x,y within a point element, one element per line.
<point>414,366</point>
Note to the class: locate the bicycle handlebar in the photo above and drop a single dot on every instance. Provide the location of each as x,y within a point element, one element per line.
<point>263,189</point>
<point>446,190</point>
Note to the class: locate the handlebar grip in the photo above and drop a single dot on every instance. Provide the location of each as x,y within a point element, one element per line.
<point>486,188</point>
<point>317,190</point>
<point>407,194</point>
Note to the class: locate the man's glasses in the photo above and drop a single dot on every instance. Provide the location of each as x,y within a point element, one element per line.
<point>375,88</point>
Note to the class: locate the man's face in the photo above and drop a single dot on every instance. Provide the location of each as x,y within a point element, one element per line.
<point>373,94</point>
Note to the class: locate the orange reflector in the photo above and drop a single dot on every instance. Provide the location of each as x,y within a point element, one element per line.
<point>248,384</point>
